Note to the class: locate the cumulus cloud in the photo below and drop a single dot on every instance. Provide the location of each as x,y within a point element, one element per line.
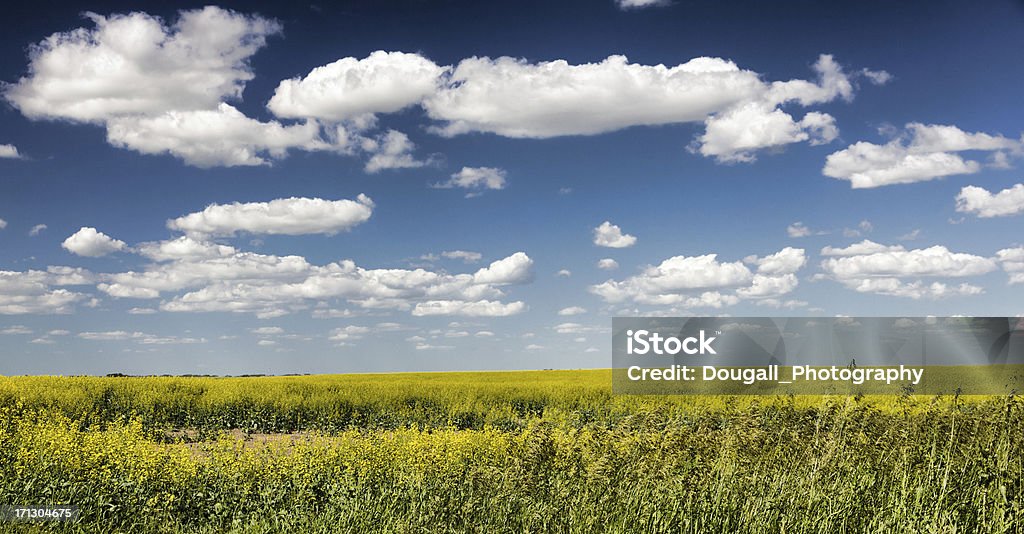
<point>383,82</point>
<point>572,310</point>
<point>393,150</point>
<point>137,64</point>
<point>9,152</point>
<point>91,243</point>
<point>163,88</point>
<point>703,281</point>
<point>219,137</point>
<point>139,337</point>
<point>1012,261</point>
<point>921,152</point>
<point>36,292</point>
<point>193,274</point>
<point>611,236</point>
<point>284,216</point>
<point>869,267</point>
<point>3,224</point>
<point>607,264</point>
<point>478,178</point>
<point>981,202</point>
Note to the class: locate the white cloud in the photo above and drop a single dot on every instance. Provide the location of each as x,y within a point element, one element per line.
<point>515,269</point>
<point>607,264</point>
<point>736,134</point>
<point>15,330</point>
<point>564,273</point>
<point>348,333</point>
<point>285,216</point>
<point>464,255</point>
<point>481,308</point>
<point>139,337</point>
<point>922,152</point>
<point>268,331</point>
<point>393,150</point>
<point>137,64</point>
<point>699,281</point>
<point>271,286</point>
<point>33,292</point>
<point>798,229</point>
<point>638,4</point>
<point>37,229</point>
<point>572,310</point>
<point>3,224</point>
<point>514,98</point>
<point>984,204</point>
<point>932,261</point>
<point>869,267</point>
<point>479,178</point>
<point>786,261</point>
<point>859,249</point>
<point>222,136</point>
<point>1012,261</point>
<point>91,243</point>
<point>383,82</point>
<point>610,235</point>
<point>9,152</point>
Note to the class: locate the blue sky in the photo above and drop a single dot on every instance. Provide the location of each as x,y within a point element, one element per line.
<point>199,171</point>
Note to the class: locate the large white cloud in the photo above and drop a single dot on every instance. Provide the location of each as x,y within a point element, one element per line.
<point>137,64</point>
<point>91,243</point>
<point>611,236</point>
<point>693,281</point>
<point>383,82</point>
<point>981,202</point>
<point>284,216</point>
<point>922,152</point>
<point>869,267</point>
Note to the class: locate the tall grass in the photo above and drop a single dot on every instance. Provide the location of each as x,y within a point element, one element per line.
<point>546,452</point>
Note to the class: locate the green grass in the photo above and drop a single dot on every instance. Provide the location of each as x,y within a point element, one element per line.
<point>542,451</point>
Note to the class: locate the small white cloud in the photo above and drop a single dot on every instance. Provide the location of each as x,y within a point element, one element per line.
<point>267,331</point>
<point>464,255</point>
<point>610,235</point>
<point>607,264</point>
<point>477,178</point>
<point>481,308</point>
<point>564,273</point>
<point>393,150</point>
<point>16,330</point>
<point>982,203</point>
<point>3,224</point>
<point>9,152</point>
<point>572,310</point>
<point>37,229</point>
<point>91,243</point>
<point>799,230</point>
<point>638,4</point>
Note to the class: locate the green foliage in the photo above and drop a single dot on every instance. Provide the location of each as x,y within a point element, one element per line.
<point>500,452</point>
